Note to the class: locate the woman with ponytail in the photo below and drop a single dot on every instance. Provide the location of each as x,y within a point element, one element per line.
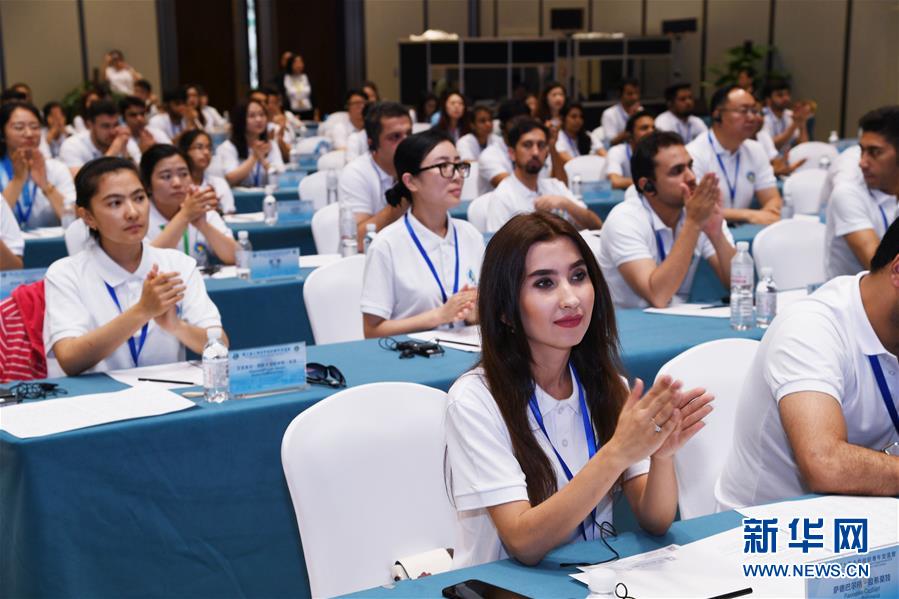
<point>422,270</point>
<point>543,434</point>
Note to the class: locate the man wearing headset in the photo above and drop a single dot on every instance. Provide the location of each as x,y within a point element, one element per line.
<point>740,162</point>
<point>652,241</point>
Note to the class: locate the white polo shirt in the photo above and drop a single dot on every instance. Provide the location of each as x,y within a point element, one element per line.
<point>470,149</point>
<point>854,207</point>
<point>512,197</point>
<point>79,149</point>
<point>764,138</point>
<point>222,192</point>
<point>10,234</point>
<point>163,122</point>
<point>776,125</point>
<point>159,136</point>
<point>629,233</point>
<point>614,121</point>
<point>228,160</point>
<point>78,302</point>
<point>494,160</point>
<point>564,143</point>
<point>844,168</point>
<point>356,145</point>
<point>42,213</point>
<point>340,133</point>
<point>121,81</point>
<point>214,120</point>
<point>618,160</point>
<point>398,283</point>
<point>485,471</point>
<point>689,129</point>
<point>193,236</point>
<point>755,172</point>
<point>363,184</point>
<point>820,343</point>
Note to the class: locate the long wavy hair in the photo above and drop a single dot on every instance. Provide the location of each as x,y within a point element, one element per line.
<point>506,354</point>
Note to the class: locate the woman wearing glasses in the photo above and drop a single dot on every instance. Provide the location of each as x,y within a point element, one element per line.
<point>197,146</point>
<point>421,271</point>
<point>544,433</point>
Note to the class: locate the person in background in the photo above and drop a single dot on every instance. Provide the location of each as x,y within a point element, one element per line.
<point>122,303</point>
<point>178,116</point>
<point>526,191</point>
<point>144,91</point>
<point>120,75</point>
<point>421,272</point>
<point>543,434</point>
<point>780,163</point>
<point>192,109</point>
<point>298,89</point>
<point>214,120</point>
<point>817,413</point>
<point>427,108</point>
<point>472,144</point>
<point>552,99</point>
<point>134,113</point>
<point>679,116</point>
<point>282,125</point>
<point>23,88</point>
<point>355,106</point>
<point>35,188</point>
<point>12,95</point>
<point>744,172</point>
<point>88,97</point>
<point>371,91</point>
<point>55,131</point>
<point>454,117</point>
<point>573,140</point>
<point>197,146</point>
<point>618,166</point>
<point>247,157</point>
<point>746,79</point>
<point>533,104</point>
<point>12,243</point>
<point>860,210</point>
<point>104,137</point>
<point>785,126</point>
<point>614,118</point>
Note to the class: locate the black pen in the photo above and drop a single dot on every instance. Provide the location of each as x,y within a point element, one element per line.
<point>191,383</point>
<point>438,340</point>
<point>710,306</point>
<point>731,595</point>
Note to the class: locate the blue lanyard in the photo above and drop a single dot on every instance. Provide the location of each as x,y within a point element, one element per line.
<point>25,203</point>
<point>731,188</point>
<point>572,144</point>
<point>884,391</point>
<point>135,349</point>
<point>256,174</point>
<point>589,432</point>
<point>883,214</point>
<point>424,254</point>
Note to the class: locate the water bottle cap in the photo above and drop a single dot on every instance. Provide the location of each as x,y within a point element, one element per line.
<point>767,271</point>
<point>601,581</point>
<point>244,234</point>
<point>213,333</point>
<point>742,246</point>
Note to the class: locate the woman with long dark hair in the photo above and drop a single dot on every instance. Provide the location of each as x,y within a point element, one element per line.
<point>196,144</point>
<point>454,117</point>
<point>573,140</point>
<point>544,433</point>
<point>246,158</point>
<point>552,99</point>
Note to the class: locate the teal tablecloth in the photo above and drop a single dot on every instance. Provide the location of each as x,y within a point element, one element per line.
<point>250,200</point>
<point>194,504</point>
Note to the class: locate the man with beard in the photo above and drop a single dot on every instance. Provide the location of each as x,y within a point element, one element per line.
<point>784,125</point>
<point>526,191</point>
<point>679,117</point>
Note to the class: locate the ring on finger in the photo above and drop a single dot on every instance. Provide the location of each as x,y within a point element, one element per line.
<point>658,428</point>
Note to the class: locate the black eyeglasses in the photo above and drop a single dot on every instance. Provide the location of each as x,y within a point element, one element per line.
<point>449,169</point>
<point>328,376</point>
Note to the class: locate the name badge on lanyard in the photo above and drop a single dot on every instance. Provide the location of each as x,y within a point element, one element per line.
<point>25,203</point>
<point>884,391</point>
<point>731,188</point>
<point>424,254</point>
<point>135,348</point>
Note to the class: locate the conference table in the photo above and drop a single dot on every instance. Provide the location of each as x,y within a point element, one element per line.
<point>194,503</point>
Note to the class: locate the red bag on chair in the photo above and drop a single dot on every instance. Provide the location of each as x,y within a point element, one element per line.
<point>22,356</point>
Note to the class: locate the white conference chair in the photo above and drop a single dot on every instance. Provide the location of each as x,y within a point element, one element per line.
<point>420,127</point>
<point>794,248</point>
<point>813,152</point>
<point>802,190</point>
<point>592,239</point>
<point>309,145</point>
<point>470,185</point>
<point>335,159</point>
<point>314,188</point>
<point>333,297</point>
<point>477,211</point>
<point>332,120</point>
<point>325,230</point>
<point>599,138</point>
<point>590,168</point>
<point>720,367</point>
<point>365,473</point>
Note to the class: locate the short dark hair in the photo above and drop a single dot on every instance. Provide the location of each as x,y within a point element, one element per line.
<point>883,121</point>
<point>632,120</point>
<point>481,108</point>
<point>521,126</point>
<point>6,111</point>
<point>100,107</point>
<point>49,106</point>
<point>11,94</point>
<point>408,158</point>
<point>175,95</point>
<point>151,158</point>
<point>887,249</point>
<point>129,101</point>
<point>144,85</point>
<point>270,90</point>
<point>377,112</point>
<point>510,109</point>
<point>186,140</point>
<point>353,91</point>
<point>643,162</point>
<point>719,98</point>
<point>632,81</point>
<point>88,178</point>
<point>774,85</point>
<point>671,90</point>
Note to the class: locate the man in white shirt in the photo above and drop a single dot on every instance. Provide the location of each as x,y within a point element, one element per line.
<point>144,91</point>
<point>860,211</point>
<point>744,172</point>
<point>618,162</point>
<point>817,410</point>
<point>366,179</point>
<point>173,122</point>
<point>134,113</point>
<point>12,243</point>
<point>652,242</point>
<point>525,191</point>
<point>679,116</point>
<point>785,126</point>
<point>105,136</point>
<point>341,132</point>
<point>614,118</point>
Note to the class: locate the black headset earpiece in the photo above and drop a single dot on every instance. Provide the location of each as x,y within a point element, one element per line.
<point>649,187</point>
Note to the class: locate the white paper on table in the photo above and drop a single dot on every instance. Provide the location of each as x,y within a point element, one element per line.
<point>784,299</point>
<point>465,338</point>
<point>248,189</point>
<point>178,371</point>
<point>43,233</point>
<point>225,272</point>
<point>39,418</point>
<point>245,217</point>
<point>318,260</point>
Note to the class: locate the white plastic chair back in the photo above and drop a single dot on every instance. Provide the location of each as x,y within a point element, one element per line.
<point>314,188</point>
<point>497,127</point>
<point>590,168</point>
<point>794,248</point>
<point>813,152</point>
<point>335,159</point>
<point>477,212</point>
<point>802,190</point>
<point>470,185</point>
<point>420,127</point>
<point>720,367</point>
<point>598,136</point>
<point>592,239</point>
<point>333,297</point>
<point>325,231</point>
<point>308,145</point>
<point>333,119</point>
<point>365,473</point>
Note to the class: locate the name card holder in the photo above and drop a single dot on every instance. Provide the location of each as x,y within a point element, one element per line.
<point>10,279</point>
<point>295,211</point>
<point>269,264</point>
<point>267,370</point>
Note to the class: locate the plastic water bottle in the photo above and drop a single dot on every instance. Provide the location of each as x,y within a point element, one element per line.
<point>68,213</point>
<point>348,244</point>
<point>576,187</point>
<point>331,179</point>
<point>370,233</point>
<point>270,205</point>
<point>765,298</point>
<point>741,279</point>
<point>216,382</point>
<point>244,250</point>
<point>273,175</point>
<point>833,138</point>
<point>824,163</point>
